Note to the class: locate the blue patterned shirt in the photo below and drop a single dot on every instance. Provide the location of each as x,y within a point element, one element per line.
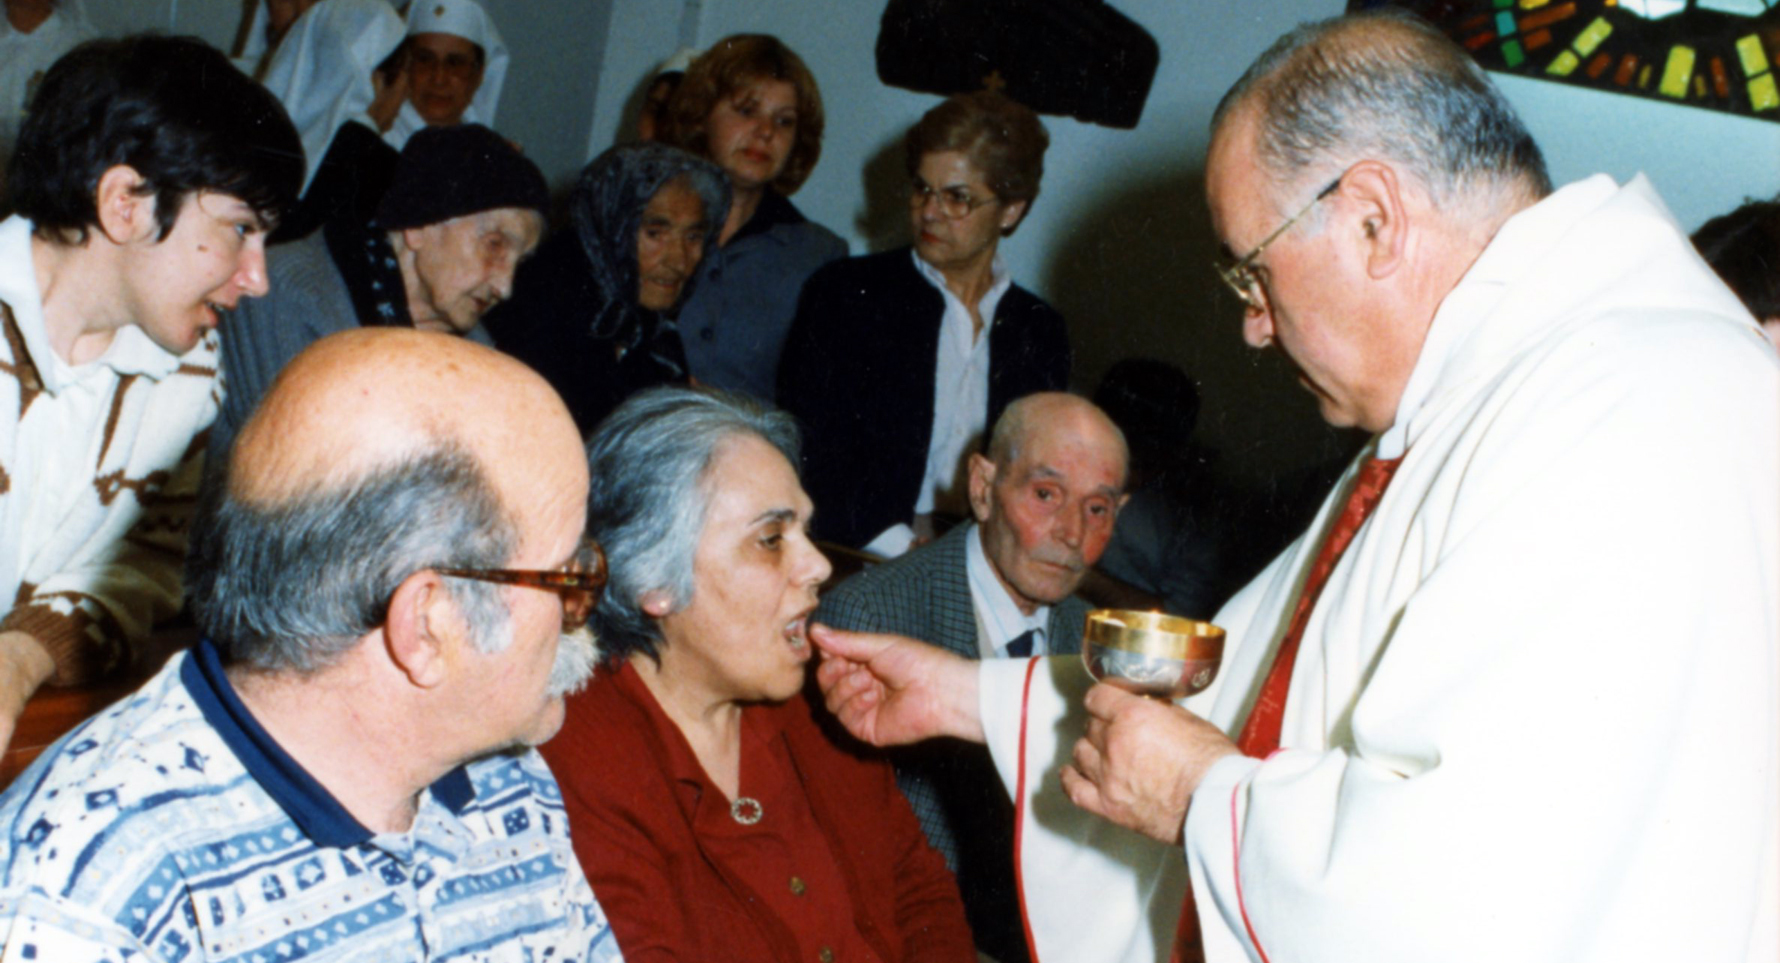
<point>172,827</point>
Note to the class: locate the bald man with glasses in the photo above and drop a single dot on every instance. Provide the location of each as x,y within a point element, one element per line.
<point>393,583</point>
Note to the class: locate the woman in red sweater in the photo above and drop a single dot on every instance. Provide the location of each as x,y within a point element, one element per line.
<point>713,815</point>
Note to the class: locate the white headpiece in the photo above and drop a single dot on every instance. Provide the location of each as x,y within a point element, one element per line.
<point>466,19</point>
<point>321,72</point>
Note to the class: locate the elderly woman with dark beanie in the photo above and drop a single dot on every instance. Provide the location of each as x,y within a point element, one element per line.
<point>593,312</point>
<point>715,817</point>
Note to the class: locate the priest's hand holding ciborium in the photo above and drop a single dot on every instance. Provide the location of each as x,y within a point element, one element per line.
<point>1142,756</point>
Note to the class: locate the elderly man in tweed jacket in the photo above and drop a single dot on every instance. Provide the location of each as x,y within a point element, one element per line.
<point>1045,499</point>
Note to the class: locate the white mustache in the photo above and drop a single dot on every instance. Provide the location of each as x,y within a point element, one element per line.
<point>577,653</point>
<point>1067,560</point>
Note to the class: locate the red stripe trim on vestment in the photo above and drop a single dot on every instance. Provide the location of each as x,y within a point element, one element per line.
<point>1020,813</point>
<point>1236,862</point>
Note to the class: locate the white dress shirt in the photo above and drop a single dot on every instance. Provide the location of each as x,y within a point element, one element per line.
<point>999,619</point>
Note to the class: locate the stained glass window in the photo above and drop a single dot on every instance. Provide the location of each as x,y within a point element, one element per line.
<point>1716,54</point>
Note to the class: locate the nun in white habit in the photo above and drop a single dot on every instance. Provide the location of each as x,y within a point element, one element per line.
<point>326,74</point>
<point>447,87</point>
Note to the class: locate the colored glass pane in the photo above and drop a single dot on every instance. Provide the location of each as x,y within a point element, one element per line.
<point>1754,58</point>
<point>1592,35</point>
<point>1763,94</point>
<point>1505,23</point>
<point>1512,55</point>
<point>1677,72</point>
<point>1563,65</point>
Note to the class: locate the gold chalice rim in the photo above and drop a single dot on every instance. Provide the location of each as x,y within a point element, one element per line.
<point>1156,634</point>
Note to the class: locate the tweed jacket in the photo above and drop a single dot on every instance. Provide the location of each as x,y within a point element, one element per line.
<point>859,372</point>
<point>952,786</point>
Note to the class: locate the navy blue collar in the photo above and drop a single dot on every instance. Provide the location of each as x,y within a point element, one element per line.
<point>307,802</point>
<point>775,209</point>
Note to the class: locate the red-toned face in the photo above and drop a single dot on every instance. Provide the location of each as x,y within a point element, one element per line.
<point>464,266</point>
<point>1046,516</point>
<point>670,243</point>
<point>1313,303</point>
<point>742,636</point>
<point>213,257</point>
<point>749,133</point>
<point>444,72</point>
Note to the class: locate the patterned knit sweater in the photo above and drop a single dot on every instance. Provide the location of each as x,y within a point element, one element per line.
<point>99,468</point>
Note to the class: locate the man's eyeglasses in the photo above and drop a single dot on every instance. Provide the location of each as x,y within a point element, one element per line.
<point>1241,274</point>
<point>579,584</point>
<point>954,202</point>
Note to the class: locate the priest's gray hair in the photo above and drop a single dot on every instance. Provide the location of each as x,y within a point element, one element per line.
<point>650,463</point>
<point>293,585</point>
<point>1384,85</point>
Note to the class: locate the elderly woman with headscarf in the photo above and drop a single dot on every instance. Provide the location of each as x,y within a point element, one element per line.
<point>337,72</point>
<point>715,817</point>
<point>593,311</point>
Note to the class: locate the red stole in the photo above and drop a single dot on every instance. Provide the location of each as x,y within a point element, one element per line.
<point>1260,734</point>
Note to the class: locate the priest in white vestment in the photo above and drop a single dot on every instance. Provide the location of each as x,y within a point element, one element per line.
<point>1529,712</point>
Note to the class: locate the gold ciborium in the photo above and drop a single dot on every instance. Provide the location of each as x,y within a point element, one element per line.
<point>1150,653</point>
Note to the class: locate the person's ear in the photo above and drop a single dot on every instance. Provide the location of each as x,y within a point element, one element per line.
<point>126,211</point>
<point>982,486</point>
<point>1012,214</point>
<point>657,604</point>
<point>415,238</point>
<point>423,624</point>
<point>1373,194</point>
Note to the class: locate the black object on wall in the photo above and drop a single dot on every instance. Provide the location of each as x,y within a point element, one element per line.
<point>1078,58</point>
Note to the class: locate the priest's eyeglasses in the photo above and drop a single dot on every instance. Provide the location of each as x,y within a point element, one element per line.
<point>954,202</point>
<point>578,584</point>
<point>1240,275</point>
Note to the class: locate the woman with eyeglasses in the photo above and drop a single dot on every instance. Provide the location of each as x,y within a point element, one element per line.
<point>750,105</point>
<point>898,363</point>
<point>715,817</point>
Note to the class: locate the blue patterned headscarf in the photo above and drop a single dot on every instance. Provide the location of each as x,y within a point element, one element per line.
<point>607,208</point>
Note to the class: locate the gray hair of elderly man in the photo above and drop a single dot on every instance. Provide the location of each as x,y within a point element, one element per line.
<point>1386,85</point>
<point>292,586</point>
<point>649,462</point>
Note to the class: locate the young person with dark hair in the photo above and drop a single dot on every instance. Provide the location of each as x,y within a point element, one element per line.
<point>145,180</point>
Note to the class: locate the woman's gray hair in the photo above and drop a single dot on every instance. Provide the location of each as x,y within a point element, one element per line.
<point>292,586</point>
<point>650,462</point>
<point>1385,85</point>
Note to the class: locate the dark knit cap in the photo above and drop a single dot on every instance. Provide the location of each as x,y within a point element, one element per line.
<point>447,172</point>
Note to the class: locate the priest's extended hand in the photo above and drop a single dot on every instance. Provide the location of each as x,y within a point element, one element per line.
<point>889,690</point>
<point>1140,761</point>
